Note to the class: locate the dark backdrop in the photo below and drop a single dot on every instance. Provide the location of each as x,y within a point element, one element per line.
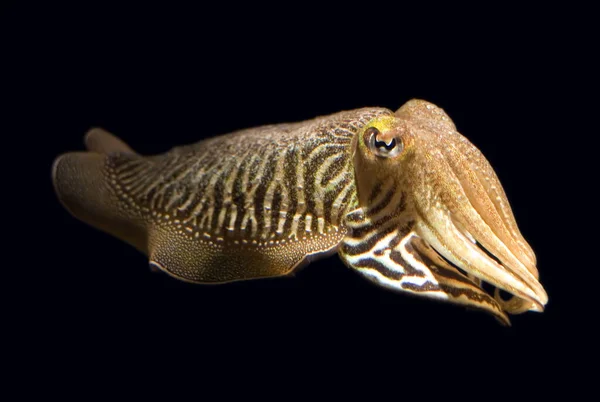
<point>160,77</point>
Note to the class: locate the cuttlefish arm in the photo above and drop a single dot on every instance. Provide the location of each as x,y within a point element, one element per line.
<point>447,225</point>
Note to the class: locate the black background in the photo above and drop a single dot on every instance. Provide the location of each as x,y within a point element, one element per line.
<point>85,306</point>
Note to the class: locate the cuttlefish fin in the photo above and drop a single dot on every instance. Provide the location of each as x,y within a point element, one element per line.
<point>103,142</point>
<point>208,260</point>
<point>82,185</point>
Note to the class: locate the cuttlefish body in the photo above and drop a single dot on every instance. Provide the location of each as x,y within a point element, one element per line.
<point>403,198</point>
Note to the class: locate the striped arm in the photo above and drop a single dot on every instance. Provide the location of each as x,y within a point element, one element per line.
<point>390,254</point>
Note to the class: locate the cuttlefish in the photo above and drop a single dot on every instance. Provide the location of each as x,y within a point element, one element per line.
<point>402,197</point>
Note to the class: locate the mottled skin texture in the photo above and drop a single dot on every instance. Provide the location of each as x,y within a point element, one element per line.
<point>402,197</point>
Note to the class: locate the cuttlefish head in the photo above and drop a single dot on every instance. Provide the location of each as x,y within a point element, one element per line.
<point>455,216</point>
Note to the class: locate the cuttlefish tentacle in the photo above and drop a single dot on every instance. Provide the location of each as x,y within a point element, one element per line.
<point>468,162</point>
<point>469,213</point>
<point>478,189</point>
<point>402,197</point>
<point>439,227</point>
<point>482,170</point>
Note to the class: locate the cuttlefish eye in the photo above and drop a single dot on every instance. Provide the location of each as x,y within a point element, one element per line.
<point>379,146</point>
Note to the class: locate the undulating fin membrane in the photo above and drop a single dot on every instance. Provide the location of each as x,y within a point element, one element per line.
<point>103,142</point>
<point>202,261</point>
<point>82,186</point>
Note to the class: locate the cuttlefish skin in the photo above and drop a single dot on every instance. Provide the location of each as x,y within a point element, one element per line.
<point>402,197</point>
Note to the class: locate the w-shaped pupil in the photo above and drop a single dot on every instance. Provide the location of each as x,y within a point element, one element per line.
<point>382,145</point>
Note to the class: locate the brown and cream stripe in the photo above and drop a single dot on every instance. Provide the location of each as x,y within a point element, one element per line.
<point>282,182</point>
